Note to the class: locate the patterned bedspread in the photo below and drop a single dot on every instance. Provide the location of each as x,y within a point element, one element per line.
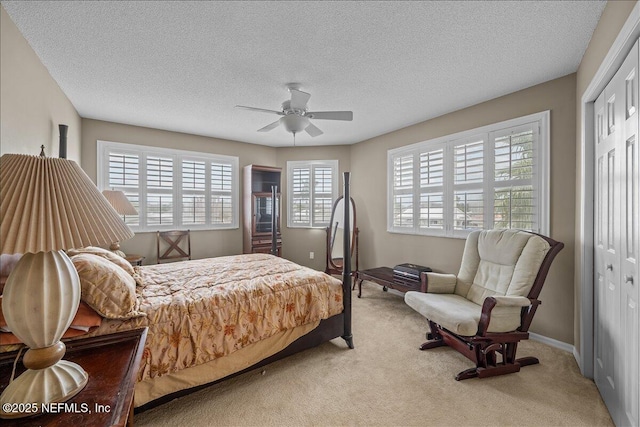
<point>204,309</point>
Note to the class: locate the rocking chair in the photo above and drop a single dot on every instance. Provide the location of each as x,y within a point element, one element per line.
<point>486,310</point>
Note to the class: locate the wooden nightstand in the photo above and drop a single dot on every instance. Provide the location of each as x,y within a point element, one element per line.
<point>112,362</point>
<point>135,259</point>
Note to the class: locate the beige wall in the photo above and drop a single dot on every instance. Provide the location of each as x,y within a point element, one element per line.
<point>613,18</point>
<point>31,102</point>
<point>298,242</point>
<point>204,244</point>
<point>379,247</point>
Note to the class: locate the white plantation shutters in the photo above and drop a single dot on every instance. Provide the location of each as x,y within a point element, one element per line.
<point>300,196</point>
<point>222,188</point>
<point>171,189</point>
<point>322,195</point>
<point>490,177</point>
<point>124,176</point>
<point>159,191</point>
<point>431,172</point>
<point>468,183</point>
<point>194,194</point>
<point>403,191</point>
<point>312,188</point>
<point>514,199</point>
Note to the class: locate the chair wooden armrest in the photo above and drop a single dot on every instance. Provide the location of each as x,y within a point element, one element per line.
<point>499,301</point>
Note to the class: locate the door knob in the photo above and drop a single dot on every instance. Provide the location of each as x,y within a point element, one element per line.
<point>628,279</point>
<point>610,267</point>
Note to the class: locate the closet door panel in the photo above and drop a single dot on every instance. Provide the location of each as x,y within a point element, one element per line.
<point>606,253</point>
<point>628,149</point>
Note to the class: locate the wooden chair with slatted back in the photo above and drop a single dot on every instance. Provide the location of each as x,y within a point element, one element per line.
<point>176,245</point>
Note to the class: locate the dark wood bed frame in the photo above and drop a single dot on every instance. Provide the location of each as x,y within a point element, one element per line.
<point>328,329</point>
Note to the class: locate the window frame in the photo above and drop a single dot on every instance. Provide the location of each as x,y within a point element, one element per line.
<point>312,165</point>
<point>104,148</point>
<point>540,123</point>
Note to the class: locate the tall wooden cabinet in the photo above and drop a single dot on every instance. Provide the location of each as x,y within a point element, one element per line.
<point>257,202</point>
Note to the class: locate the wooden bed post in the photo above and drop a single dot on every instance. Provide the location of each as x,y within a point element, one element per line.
<point>274,221</point>
<point>346,266</point>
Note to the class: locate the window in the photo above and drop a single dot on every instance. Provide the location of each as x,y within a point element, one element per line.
<point>312,188</point>
<point>491,177</point>
<point>171,189</point>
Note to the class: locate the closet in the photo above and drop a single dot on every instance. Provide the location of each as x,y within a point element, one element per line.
<point>616,244</point>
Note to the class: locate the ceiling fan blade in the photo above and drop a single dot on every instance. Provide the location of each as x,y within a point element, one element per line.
<point>263,110</point>
<point>313,130</point>
<point>268,127</point>
<point>331,115</point>
<point>299,99</point>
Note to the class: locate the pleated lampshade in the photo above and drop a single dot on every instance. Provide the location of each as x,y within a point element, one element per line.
<point>119,201</point>
<point>50,204</point>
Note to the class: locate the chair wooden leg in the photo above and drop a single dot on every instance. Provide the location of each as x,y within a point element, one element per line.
<point>432,344</point>
<point>527,361</point>
<point>434,338</point>
<point>467,373</point>
<point>498,370</point>
<point>487,364</point>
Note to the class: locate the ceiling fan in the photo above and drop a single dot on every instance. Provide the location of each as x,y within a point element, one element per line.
<point>295,117</point>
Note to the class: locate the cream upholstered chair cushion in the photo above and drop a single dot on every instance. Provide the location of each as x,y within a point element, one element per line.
<point>497,263</point>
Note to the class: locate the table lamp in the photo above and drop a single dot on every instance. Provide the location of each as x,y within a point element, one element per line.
<point>123,206</point>
<point>47,205</point>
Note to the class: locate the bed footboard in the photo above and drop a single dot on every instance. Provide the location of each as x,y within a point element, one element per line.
<point>346,266</point>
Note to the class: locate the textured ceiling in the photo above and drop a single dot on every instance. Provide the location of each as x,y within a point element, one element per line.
<point>183,66</point>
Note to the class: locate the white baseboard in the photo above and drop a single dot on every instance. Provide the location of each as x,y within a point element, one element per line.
<point>576,356</point>
<point>553,343</point>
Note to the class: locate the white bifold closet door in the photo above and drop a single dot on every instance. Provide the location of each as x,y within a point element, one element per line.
<point>617,241</point>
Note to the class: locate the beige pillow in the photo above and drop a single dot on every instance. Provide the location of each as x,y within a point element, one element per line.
<point>107,288</point>
<point>104,253</point>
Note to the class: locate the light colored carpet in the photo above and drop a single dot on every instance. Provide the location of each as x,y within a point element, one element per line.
<point>387,381</point>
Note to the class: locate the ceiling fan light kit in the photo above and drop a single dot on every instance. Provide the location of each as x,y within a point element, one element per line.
<point>294,123</point>
<point>295,117</point>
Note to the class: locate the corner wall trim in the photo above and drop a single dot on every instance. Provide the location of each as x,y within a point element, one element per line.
<point>553,343</point>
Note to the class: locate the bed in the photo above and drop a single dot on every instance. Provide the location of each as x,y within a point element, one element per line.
<point>208,319</point>
<point>213,318</point>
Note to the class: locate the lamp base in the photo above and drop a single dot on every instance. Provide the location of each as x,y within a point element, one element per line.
<point>115,248</point>
<point>57,383</point>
